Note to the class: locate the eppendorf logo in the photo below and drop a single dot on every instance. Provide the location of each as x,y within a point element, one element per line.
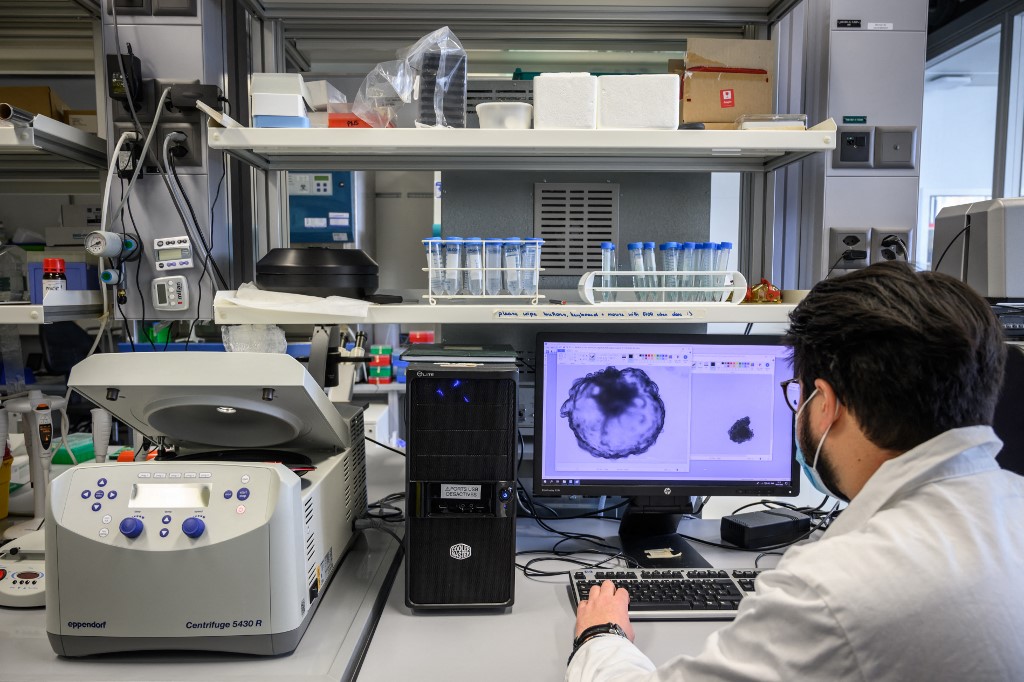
<point>77,625</point>
<point>461,551</point>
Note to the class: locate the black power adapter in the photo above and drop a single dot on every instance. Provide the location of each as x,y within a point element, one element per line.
<point>764,528</point>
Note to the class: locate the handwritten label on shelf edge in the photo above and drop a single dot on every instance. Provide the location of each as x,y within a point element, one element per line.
<point>635,315</point>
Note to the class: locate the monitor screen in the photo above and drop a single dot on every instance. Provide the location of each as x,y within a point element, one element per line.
<point>657,415</point>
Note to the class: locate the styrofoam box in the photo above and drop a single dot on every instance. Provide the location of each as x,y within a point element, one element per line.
<point>279,84</point>
<point>565,101</point>
<point>638,102</point>
<point>269,104</point>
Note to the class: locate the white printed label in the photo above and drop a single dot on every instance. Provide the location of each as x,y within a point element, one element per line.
<point>315,222</point>
<point>460,492</point>
<point>53,285</point>
<point>879,27</point>
<point>339,236</point>
<point>300,184</point>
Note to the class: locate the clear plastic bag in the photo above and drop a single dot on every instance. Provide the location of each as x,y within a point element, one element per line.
<point>254,338</point>
<point>439,60</point>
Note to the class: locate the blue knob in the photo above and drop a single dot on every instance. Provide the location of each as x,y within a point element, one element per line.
<point>130,527</point>
<point>193,527</point>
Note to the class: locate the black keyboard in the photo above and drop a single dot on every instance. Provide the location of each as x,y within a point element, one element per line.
<point>683,594</point>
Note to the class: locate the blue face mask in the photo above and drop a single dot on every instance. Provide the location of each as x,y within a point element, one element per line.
<point>811,470</point>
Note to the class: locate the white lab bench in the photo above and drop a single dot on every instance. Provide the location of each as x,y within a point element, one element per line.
<point>531,641</point>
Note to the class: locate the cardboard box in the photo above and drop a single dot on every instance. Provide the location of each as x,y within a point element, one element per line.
<point>81,215</point>
<point>37,99</point>
<point>270,104</point>
<point>68,236</point>
<point>83,119</point>
<point>724,79</point>
<point>80,277</point>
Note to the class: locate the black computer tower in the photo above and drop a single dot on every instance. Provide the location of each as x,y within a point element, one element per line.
<point>460,496</point>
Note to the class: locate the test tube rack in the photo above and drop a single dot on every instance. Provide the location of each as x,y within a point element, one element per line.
<point>729,288</point>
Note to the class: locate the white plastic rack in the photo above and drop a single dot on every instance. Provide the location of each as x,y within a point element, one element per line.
<point>727,288</point>
<point>481,149</point>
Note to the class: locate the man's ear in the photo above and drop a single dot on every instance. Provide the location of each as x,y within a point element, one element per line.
<point>829,405</point>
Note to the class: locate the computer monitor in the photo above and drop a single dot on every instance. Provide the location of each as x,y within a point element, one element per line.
<point>662,418</point>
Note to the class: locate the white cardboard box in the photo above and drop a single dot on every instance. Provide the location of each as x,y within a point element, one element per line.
<point>80,215</point>
<point>68,236</point>
<point>270,104</point>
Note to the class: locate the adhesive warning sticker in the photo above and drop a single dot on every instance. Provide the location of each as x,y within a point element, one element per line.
<point>727,98</point>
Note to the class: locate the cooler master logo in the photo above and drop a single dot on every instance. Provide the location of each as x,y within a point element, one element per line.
<point>461,551</point>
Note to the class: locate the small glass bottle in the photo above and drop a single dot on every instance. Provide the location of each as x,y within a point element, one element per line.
<point>54,278</point>
<point>608,264</point>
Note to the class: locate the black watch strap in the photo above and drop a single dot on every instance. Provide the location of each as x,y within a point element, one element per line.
<point>595,631</point>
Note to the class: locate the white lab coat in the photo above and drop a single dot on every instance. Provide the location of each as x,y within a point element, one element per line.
<point>920,578</point>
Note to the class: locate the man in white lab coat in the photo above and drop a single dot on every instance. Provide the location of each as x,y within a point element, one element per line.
<point>922,576</point>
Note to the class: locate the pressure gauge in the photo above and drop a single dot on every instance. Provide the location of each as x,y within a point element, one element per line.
<point>109,244</point>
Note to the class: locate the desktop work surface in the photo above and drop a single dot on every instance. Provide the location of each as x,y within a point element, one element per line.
<point>529,641</point>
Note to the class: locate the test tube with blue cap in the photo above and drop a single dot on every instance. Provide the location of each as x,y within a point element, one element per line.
<point>650,266</point>
<point>721,264</point>
<point>608,264</point>
<point>531,265</point>
<point>669,263</point>
<point>492,266</point>
<point>453,265</point>
<point>513,275</point>
<point>705,262</point>
<point>636,264</point>
<point>435,265</point>
<point>688,263</point>
<point>474,265</point>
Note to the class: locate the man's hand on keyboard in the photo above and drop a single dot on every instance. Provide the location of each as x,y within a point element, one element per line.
<point>605,604</point>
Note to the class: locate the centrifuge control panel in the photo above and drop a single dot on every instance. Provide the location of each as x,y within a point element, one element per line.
<point>168,506</point>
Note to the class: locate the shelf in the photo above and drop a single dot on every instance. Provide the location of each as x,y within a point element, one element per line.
<point>278,149</point>
<point>59,306</point>
<point>49,152</point>
<point>416,313</point>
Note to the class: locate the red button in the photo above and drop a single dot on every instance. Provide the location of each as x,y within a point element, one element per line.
<point>3,574</point>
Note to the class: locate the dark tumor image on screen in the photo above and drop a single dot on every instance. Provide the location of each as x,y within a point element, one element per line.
<point>615,413</point>
<point>740,432</point>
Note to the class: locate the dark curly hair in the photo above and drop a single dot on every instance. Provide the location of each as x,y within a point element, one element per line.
<point>910,354</point>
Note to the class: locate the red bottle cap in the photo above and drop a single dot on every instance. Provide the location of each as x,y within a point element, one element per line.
<point>53,265</point>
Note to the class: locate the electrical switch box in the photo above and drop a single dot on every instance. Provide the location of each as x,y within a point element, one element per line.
<point>895,147</point>
<point>853,148</point>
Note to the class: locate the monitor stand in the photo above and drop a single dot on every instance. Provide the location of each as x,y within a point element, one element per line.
<point>650,538</point>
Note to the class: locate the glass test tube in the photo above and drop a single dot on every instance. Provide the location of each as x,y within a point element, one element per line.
<point>492,266</point>
<point>687,261</point>
<point>636,264</point>
<point>435,265</point>
<point>474,247</point>
<point>531,265</point>
<point>670,262</point>
<point>452,265</point>
<point>513,279</point>
<point>722,263</point>
<point>650,266</point>
<point>705,259</point>
<point>608,264</point>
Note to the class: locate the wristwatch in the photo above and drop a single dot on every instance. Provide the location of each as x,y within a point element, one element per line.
<point>594,631</point>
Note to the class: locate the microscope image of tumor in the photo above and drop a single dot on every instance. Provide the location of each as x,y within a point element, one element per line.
<point>740,432</point>
<point>615,413</point>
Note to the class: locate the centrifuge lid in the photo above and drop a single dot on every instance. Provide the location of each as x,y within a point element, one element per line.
<point>224,400</point>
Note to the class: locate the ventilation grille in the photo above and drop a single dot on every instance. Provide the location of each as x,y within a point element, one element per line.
<point>573,219</point>
<point>310,541</point>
